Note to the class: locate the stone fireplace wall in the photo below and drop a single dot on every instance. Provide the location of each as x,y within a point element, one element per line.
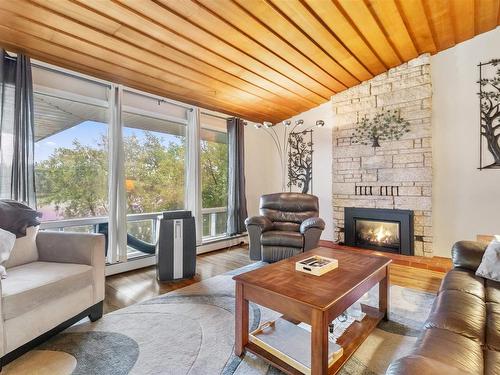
<point>405,164</point>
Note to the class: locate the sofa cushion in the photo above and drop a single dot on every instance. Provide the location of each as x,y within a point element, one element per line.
<point>493,326</point>
<point>451,349</point>
<point>16,217</point>
<point>36,283</point>
<point>459,312</point>
<point>491,362</point>
<point>282,238</point>
<point>492,291</point>
<point>286,226</point>
<point>418,365</point>
<point>465,281</point>
<point>24,250</point>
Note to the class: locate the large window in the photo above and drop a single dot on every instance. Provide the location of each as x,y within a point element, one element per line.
<point>71,155</point>
<point>155,160</point>
<point>214,176</point>
<point>74,117</point>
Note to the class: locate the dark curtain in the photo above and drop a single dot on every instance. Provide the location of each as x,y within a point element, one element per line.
<point>237,201</point>
<point>17,142</point>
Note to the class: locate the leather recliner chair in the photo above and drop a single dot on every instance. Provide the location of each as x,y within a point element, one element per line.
<point>288,225</point>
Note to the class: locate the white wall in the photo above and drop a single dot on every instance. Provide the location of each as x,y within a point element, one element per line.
<point>263,167</point>
<point>466,201</point>
<point>322,162</point>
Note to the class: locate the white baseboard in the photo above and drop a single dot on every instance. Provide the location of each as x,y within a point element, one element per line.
<point>221,244</point>
<point>132,264</point>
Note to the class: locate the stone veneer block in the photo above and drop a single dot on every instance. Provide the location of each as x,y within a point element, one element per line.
<point>404,174</point>
<point>406,163</point>
<point>376,161</point>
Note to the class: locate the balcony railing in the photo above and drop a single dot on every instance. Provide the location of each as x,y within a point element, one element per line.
<point>143,226</point>
<point>214,222</point>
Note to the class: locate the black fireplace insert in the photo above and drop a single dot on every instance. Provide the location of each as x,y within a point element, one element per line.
<point>380,229</point>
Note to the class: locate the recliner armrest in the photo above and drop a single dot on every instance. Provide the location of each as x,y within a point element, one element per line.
<point>263,222</point>
<point>312,222</point>
<point>468,254</point>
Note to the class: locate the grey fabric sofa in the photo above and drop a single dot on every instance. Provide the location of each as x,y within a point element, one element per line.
<point>288,224</point>
<point>63,284</point>
<point>462,333</point>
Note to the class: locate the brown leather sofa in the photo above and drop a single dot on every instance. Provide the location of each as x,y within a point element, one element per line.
<point>288,225</point>
<point>462,332</point>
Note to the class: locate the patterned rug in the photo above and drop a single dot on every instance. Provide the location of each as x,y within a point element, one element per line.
<point>191,331</point>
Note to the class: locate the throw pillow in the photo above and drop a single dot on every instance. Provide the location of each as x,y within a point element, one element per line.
<point>24,250</point>
<point>490,264</point>
<point>7,241</point>
<point>15,217</point>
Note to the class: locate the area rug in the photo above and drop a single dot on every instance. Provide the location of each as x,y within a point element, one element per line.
<point>191,331</point>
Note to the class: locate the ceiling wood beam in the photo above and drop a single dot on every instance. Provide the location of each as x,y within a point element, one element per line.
<point>388,15</point>
<point>296,13</point>
<point>360,15</point>
<point>123,35</point>
<point>160,32</point>
<point>264,60</point>
<point>261,34</point>
<point>225,32</point>
<point>336,22</point>
<point>414,15</point>
<point>194,33</point>
<point>20,24</point>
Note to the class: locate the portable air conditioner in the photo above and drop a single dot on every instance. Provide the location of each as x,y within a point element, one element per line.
<point>176,246</point>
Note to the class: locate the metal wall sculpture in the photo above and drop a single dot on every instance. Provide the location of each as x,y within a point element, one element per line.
<point>489,98</point>
<point>300,161</point>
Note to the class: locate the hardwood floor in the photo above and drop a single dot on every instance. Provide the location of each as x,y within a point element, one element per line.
<point>139,285</point>
<point>135,286</point>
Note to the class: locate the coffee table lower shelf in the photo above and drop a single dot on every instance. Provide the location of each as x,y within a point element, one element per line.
<point>352,338</point>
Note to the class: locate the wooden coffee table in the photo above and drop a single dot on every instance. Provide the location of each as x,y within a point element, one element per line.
<point>315,300</point>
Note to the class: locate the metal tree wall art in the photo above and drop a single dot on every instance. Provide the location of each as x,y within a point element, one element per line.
<point>489,97</point>
<point>384,126</point>
<point>300,160</point>
<point>281,137</point>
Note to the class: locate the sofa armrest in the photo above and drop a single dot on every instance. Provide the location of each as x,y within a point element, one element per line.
<point>312,222</point>
<point>261,221</point>
<point>67,247</point>
<point>468,254</point>
<point>79,248</point>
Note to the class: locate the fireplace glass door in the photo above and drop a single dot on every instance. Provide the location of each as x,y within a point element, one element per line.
<point>378,234</point>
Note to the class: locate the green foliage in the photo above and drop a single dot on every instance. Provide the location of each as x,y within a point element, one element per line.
<point>214,174</point>
<point>384,126</point>
<point>75,180</point>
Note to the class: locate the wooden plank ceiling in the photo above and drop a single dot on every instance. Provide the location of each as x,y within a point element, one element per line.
<point>264,60</point>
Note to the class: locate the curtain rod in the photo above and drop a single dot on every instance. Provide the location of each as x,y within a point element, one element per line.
<point>9,57</point>
<point>217,116</point>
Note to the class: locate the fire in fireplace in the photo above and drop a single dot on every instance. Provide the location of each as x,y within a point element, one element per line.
<point>377,233</point>
<point>379,229</point>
